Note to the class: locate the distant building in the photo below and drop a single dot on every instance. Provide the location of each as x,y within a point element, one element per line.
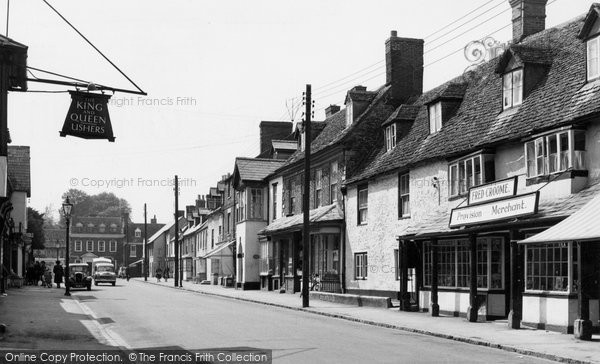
<point>94,237</point>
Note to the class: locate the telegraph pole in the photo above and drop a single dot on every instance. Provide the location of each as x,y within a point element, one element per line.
<point>176,273</point>
<point>145,263</point>
<point>306,202</point>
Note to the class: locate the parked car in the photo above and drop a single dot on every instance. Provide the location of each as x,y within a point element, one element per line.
<point>105,273</point>
<point>79,276</point>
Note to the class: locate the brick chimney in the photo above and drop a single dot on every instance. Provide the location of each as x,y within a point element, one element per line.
<point>331,109</point>
<point>404,66</point>
<point>270,130</point>
<point>528,17</point>
<point>153,220</point>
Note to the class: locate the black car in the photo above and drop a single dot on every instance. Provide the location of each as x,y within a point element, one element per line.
<point>80,276</point>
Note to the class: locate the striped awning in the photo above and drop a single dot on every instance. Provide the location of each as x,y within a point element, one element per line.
<point>581,226</point>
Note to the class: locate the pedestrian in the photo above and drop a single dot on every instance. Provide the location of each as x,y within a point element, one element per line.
<point>36,273</point>
<point>30,274</point>
<point>158,274</point>
<point>42,271</point>
<point>166,273</point>
<point>58,274</point>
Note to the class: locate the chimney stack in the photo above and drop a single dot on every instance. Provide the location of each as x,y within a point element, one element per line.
<point>404,66</point>
<point>528,17</point>
<point>270,130</point>
<point>331,109</point>
<point>153,220</point>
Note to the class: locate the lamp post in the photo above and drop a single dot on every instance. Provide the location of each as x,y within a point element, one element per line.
<point>67,206</point>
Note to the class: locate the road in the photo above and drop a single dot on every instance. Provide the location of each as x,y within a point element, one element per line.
<point>141,315</point>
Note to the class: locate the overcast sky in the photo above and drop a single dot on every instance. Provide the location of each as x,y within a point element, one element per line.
<point>213,70</point>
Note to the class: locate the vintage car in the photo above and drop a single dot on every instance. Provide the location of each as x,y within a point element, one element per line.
<point>104,273</point>
<point>80,276</point>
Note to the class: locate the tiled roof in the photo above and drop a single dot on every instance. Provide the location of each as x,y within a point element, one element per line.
<point>561,97</point>
<point>152,229</point>
<point>329,213</point>
<point>166,228</point>
<point>449,90</point>
<point>19,169</point>
<point>404,112</point>
<point>335,130</point>
<point>255,169</point>
<point>547,209</point>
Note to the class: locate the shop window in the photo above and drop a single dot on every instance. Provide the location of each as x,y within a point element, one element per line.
<point>454,263</point>
<point>593,58</point>
<point>132,251</point>
<point>363,204</point>
<point>435,117</point>
<point>404,196</point>
<point>556,152</point>
<point>470,172</point>
<point>101,246</point>
<point>360,266</point>
<point>390,137</point>
<point>512,91</point>
<point>551,267</point>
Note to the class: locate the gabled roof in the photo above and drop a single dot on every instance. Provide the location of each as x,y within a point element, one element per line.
<point>164,229</point>
<point>403,113</point>
<point>360,94</point>
<point>19,169</point>
<point>254,169</point>
<point>562,97</point>
<point>525,55</point>
<point>590,19</point>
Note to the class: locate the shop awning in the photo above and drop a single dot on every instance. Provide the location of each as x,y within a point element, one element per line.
<point>136,262</point>
<point>581,226</point>
<point>218,250</point>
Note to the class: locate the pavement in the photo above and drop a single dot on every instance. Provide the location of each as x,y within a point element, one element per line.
<point>495,334</point>
<point>43,318</point>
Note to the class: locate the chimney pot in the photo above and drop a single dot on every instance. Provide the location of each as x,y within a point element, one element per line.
<point>394,33</point>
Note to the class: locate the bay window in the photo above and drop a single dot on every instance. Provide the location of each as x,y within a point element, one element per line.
<point>556,152</point>
<point>255,205</point>
<point>512,90</point>
<point>470,172</point>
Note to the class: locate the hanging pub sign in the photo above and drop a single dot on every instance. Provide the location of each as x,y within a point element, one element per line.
<point>88,117</point>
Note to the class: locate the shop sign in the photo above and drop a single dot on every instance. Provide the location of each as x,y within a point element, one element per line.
<point>509,208</point>
<point>493,191</point>
<point>88,117</point>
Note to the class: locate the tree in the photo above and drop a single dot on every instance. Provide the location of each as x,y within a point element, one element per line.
<point>35,226</point>
<point>102,204</point>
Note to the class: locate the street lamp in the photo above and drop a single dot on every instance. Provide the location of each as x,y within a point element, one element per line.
<point>67,206</point>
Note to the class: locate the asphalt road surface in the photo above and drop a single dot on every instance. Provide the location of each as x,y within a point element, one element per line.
<point>140,315</point>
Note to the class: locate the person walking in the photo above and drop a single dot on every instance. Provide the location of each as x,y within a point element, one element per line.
<point>158,274</point>
<point>36,273</point>
<point>166,273</point>
<point>58,274</point>
<point>42,271</point>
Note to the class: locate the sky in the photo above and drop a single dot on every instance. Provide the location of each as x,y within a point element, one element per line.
<point>213,70</point>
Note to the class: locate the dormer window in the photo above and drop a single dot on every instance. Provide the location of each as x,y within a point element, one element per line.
<point>593,58</point>
<point>435,117</point>
<point>390,137</point>
<point>349,114</point>
<point>512,91</point>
